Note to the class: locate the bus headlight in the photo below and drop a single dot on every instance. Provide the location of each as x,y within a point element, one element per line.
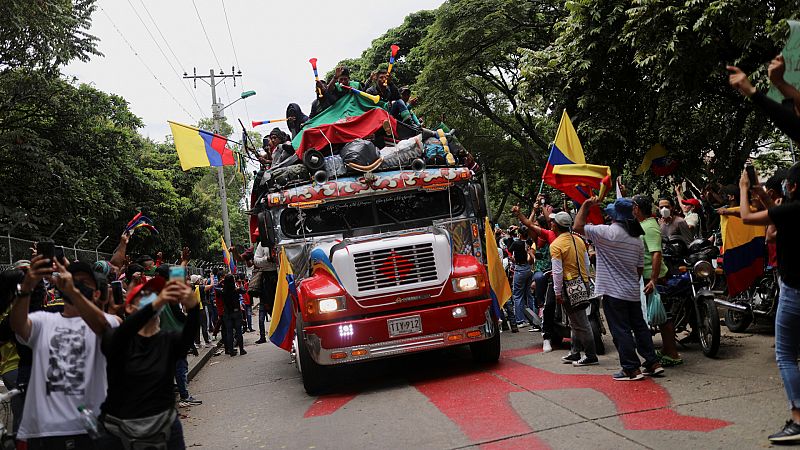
<point>703,269</point>
<point>332,304</point>
<point>465,284</point>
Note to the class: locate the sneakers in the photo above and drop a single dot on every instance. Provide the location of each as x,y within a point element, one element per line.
<point>571,358</point>
<point>789,433</point>
<point>546,347</point>
<point>586,361</point>
<point>243,352</point>
<point>262,340</point>
<point>628,375</point>
<point>189,401</point>
<point>653,370</point>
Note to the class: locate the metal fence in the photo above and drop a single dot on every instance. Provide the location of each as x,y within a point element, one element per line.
<point>14,249</point>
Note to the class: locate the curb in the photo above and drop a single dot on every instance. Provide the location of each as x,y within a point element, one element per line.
<point>197,363</point>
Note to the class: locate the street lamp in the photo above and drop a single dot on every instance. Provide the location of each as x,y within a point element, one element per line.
<point>242,96</point>
<point>13,225</point>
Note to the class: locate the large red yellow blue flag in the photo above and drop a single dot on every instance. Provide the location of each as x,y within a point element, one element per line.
<point>566,149</point>
<point>226,256</point>
<point>281,329</point>
<point>200,148</point>
<point>743,248</point>
<point>499,289</point>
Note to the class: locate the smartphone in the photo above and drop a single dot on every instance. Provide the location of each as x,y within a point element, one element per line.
<point>116,292</point>
<point>751,175</point>
<point>177,273</point>
<point>58,254</point>
<point>46,248</point>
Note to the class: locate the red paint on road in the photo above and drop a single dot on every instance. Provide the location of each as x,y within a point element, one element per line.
<point>480,405</point>
<point>478,402</point>
<point>328,404</point>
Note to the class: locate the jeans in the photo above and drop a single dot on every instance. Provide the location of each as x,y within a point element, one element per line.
<point>18,401</point>
<point>549,312</point>
<point>232,330</point>
<point>182,376</point>
<point>541,288</point>
<point>203,327</point>
<point>521,290</point>
<point>787,340</point>
<point>211,310</point>
<point>630,332</point>
<point>248,316</point>
<point>581,332</point>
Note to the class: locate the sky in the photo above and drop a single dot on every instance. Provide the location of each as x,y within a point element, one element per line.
<point>272,41</point>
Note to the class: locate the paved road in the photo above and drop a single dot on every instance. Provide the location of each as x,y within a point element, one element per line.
<point>440,400</point>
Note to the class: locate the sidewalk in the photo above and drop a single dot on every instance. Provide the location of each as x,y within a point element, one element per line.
<point>204,354</point>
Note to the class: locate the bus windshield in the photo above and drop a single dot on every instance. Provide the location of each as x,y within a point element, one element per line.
<point>379,213</point>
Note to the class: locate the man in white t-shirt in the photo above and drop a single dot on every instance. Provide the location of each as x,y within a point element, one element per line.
<point>69,370</point>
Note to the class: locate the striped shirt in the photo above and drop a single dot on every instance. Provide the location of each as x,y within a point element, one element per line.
<point>619,256</point>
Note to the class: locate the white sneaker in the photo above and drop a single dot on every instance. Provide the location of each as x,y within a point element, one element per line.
<point>546,347</point>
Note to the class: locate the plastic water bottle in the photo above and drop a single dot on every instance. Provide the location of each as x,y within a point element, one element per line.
<point>89,422</point>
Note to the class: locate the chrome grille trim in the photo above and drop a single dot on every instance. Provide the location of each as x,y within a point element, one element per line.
<point>395,266</point>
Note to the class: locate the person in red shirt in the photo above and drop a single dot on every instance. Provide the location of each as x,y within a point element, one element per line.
<point>247,311</point>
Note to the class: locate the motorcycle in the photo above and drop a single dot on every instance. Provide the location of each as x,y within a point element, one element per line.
<point>687,296</point>
<point>561,328</point>
<point>760,300</point>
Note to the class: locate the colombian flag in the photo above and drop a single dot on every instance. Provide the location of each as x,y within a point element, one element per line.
<point>200,148</point>
<point>658,159</point>
<point>498,282</point>
<point>281,329</point>
<point>743,249</point>
<point>226,256</point>
<point>140,221</point>
<point>566,149</point>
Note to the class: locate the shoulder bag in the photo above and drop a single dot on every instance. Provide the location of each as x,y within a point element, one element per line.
<point>577,291</point>
<point>145,433</point>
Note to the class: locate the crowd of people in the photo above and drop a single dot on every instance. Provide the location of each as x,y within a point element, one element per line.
<point>554,248</point>
<point>108,343</point>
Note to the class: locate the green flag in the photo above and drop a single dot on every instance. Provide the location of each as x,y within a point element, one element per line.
<point>350,105</point>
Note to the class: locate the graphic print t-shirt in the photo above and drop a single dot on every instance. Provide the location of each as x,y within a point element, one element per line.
<point>68,371</point>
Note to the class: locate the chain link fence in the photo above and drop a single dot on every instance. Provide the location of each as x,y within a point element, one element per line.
<point>14,249</point>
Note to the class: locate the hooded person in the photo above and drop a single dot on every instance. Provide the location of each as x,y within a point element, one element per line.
<point>295,118</point>
<point>141,359</point>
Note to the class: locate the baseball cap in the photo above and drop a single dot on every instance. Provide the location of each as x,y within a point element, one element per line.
<point>691,201</point>
<point>84,267</point>
<point>154,284</point>
<point>563,219</point>
<point>620,210</point>
<point>22,264</point>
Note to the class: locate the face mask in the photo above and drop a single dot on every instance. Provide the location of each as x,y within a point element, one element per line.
<point>665,212</point>
<point>147,299</point>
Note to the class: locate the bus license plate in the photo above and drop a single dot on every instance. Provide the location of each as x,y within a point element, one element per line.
<point>404,326</point>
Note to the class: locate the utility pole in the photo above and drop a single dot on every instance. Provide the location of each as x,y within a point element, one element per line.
<point>216,115</point>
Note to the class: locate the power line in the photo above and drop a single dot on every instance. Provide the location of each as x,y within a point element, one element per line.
<point>191,94</point>
<point>183,68</point>
<point>235,56</point>
<point>206,34</point>
<point>145,64</point>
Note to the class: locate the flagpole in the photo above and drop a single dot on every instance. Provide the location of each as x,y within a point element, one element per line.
<point>541,185</point>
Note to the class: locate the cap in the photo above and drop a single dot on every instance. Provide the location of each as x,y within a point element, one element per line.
<point>155,284</point>
<point>691,201</point>
<point>563,219</point>
<point>276,132</point>
<point>102,267</point>
<point>620,210</point>
<point>144,258</point>
<point>22,264</point>
<point>84,267</point>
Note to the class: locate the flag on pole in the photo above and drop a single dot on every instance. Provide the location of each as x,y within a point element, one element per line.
<point>281,329</point>
<point>658,159</point>
<point>499,289</point>
<point>579,180</point>
<point>743,248</point>
<point>140,221</point>
<point>226,256</point>
<point>200,148</point>
<point>566,149</point>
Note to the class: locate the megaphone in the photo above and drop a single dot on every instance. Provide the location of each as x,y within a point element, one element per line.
<point>321,176</point>
<point>264,122</point>
<point>313,159</point>
<point>417,165</point>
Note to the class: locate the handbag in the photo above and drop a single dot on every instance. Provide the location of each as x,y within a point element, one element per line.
<point>656,313</point>
<point>145,433</point>
<point>578,291</point>
<point>254,288</point>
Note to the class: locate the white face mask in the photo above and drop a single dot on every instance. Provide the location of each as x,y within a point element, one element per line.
<point>665,212</point>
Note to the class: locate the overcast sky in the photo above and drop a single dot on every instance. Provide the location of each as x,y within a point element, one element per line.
<point>273,41</point>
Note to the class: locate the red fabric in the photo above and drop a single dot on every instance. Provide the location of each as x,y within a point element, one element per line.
<point>772,251</point>
<point>545,237</point>
<point>348,130</point>
<point>220,145</point>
